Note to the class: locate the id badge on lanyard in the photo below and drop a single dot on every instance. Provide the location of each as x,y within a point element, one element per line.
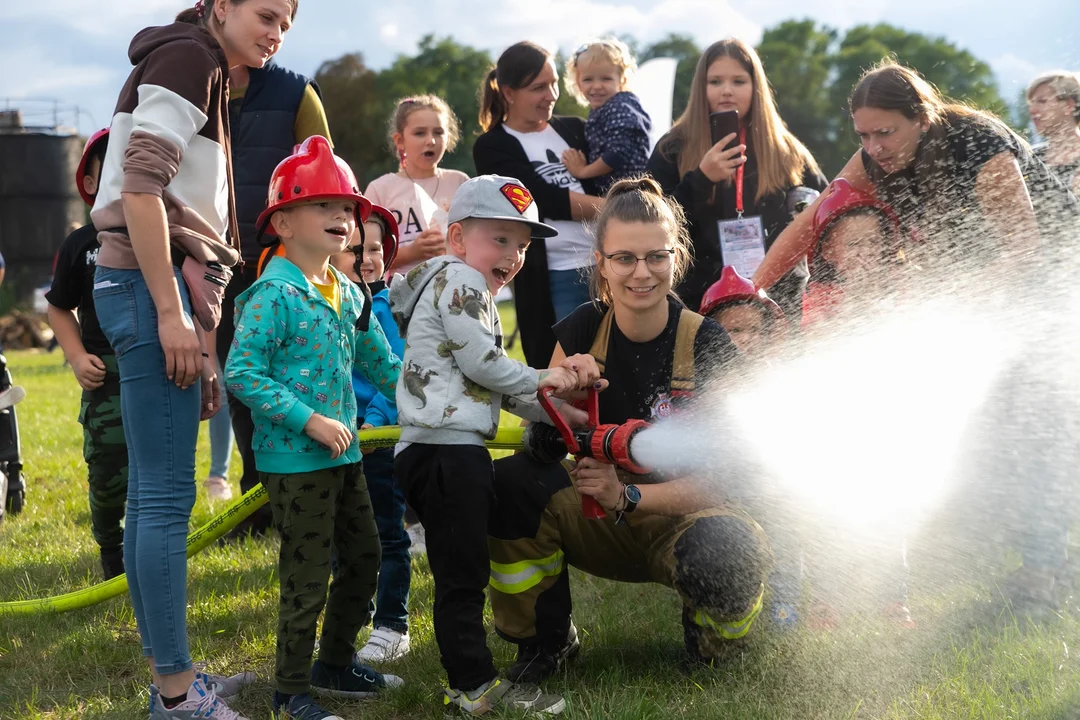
<point>742,240</point>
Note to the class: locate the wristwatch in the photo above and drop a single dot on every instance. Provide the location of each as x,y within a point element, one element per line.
<point>632,496</point>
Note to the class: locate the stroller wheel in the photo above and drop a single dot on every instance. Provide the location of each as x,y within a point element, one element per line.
<point>16,496</point>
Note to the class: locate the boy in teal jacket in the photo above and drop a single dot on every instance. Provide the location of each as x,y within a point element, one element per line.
<point>299,331</point>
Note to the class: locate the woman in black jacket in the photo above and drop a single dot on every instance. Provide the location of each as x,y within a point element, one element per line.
<point>522,140</point>
<point>778,173</point>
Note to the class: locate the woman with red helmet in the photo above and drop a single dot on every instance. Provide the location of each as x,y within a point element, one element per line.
<point>164,204</point>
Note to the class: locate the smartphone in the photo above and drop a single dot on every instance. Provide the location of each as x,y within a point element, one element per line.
<point>722,124</point>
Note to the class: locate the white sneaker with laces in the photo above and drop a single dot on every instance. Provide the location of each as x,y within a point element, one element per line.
<point>202,703</point>
<point>384,645</point>
<point>217,489</point>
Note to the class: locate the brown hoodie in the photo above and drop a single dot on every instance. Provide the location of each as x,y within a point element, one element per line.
<point>170,137</point>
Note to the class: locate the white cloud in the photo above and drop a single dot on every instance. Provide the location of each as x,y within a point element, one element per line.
<point>1013,74</point>
<point>33,73</point>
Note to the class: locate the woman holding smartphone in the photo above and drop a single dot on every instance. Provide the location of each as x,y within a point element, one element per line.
<point>748,183</point>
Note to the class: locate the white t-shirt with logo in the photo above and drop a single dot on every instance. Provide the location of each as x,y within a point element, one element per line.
<point>573,247</point>
<point>417,204</point>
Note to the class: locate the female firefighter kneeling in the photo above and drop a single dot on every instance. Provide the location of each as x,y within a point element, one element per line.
<point>655,353</point>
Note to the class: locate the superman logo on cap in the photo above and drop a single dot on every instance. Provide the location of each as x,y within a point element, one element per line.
<point>518,196</point>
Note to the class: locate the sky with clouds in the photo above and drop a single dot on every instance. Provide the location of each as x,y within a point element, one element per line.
<point>76,51</point>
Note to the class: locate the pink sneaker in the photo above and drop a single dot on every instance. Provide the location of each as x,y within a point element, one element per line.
<point>217,489</point>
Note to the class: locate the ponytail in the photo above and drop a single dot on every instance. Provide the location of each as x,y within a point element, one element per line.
<point>492,103</point>
<point>190,16</point>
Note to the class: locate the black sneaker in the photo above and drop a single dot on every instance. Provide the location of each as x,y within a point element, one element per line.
<point>538,661</point>
<point>355,682</point>
<point>112,562</point>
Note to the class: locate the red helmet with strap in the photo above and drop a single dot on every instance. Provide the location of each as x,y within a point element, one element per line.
<point>390,237</point>
<point>311,173</point>
<point>841,198</point>
<point>733,287</point>
<point>101,136</point>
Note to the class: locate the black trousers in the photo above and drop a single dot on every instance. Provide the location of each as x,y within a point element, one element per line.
<point>450,486</point>
<point>242,423</point>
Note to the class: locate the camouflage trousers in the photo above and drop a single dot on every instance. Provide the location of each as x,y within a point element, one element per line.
<point>106,454</point>
<point>319,515</point>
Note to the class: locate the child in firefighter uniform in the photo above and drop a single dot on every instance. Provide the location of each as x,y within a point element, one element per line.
<point>657,355</point>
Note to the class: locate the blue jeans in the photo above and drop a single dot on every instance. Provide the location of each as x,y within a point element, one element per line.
<point>391,604</point>
<point>569,289</point>
<point>161,426</point>
<point>221,435</point>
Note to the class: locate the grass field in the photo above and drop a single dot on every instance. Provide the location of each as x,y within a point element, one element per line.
<point>968,658</point>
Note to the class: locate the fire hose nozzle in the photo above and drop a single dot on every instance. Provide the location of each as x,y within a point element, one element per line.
<point>607,443</point>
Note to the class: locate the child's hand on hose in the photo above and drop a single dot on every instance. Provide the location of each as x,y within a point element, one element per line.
<point>329,433</point>
<point>560,379</point>
<point>587,371</point>
<point>366,450</point>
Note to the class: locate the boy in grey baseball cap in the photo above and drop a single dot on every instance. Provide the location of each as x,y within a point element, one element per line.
<point>457,377</point>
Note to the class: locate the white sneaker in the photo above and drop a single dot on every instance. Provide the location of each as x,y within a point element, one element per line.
<point>384,645</point>
<point>11,396</point>
<point>418,540</point>
<point>217,489</point>
<point>201,703</point>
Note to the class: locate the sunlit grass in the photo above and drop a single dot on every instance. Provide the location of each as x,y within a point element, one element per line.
<point>968,658</point>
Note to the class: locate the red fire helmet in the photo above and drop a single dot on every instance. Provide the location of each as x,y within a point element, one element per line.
<point>733,287</point>
<point>390,237</point>
<point>101,136</point>
<point>313,172</point>
<point>841,198</point>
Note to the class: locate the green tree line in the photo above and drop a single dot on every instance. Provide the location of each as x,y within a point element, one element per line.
<point>811,67</point>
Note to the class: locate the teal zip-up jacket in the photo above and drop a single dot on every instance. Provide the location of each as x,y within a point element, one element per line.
<point>293,356</point>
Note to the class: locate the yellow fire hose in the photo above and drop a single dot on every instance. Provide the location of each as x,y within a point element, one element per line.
<point>384,437</point>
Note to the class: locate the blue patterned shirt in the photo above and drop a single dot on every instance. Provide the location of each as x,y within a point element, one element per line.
<point>618,133</point>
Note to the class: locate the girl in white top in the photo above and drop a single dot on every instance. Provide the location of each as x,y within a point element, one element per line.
<point>422,129</point>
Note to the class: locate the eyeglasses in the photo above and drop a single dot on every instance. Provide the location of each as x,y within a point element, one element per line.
<point>624,263</point>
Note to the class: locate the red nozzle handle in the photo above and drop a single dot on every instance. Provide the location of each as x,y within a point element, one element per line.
<point>591,509</point>
<point>591,405</point>
<point>544,396</point>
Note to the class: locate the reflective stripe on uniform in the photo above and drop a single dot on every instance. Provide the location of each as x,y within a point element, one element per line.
<point>737,628</point>
<point>514,578</point>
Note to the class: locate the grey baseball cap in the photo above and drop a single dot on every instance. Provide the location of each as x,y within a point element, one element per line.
<point>496,197</point>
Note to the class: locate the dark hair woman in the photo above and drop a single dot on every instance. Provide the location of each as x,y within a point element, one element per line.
<point>165,201</point>
<point>523,140</point>
<point>951,173</point>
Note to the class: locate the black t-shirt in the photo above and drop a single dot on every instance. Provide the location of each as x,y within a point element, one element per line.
<point>640,373</point>
<point>73,286</point>
<point>941,204</point>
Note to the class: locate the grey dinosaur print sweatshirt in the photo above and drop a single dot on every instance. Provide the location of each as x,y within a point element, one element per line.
<point>457,375</point>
